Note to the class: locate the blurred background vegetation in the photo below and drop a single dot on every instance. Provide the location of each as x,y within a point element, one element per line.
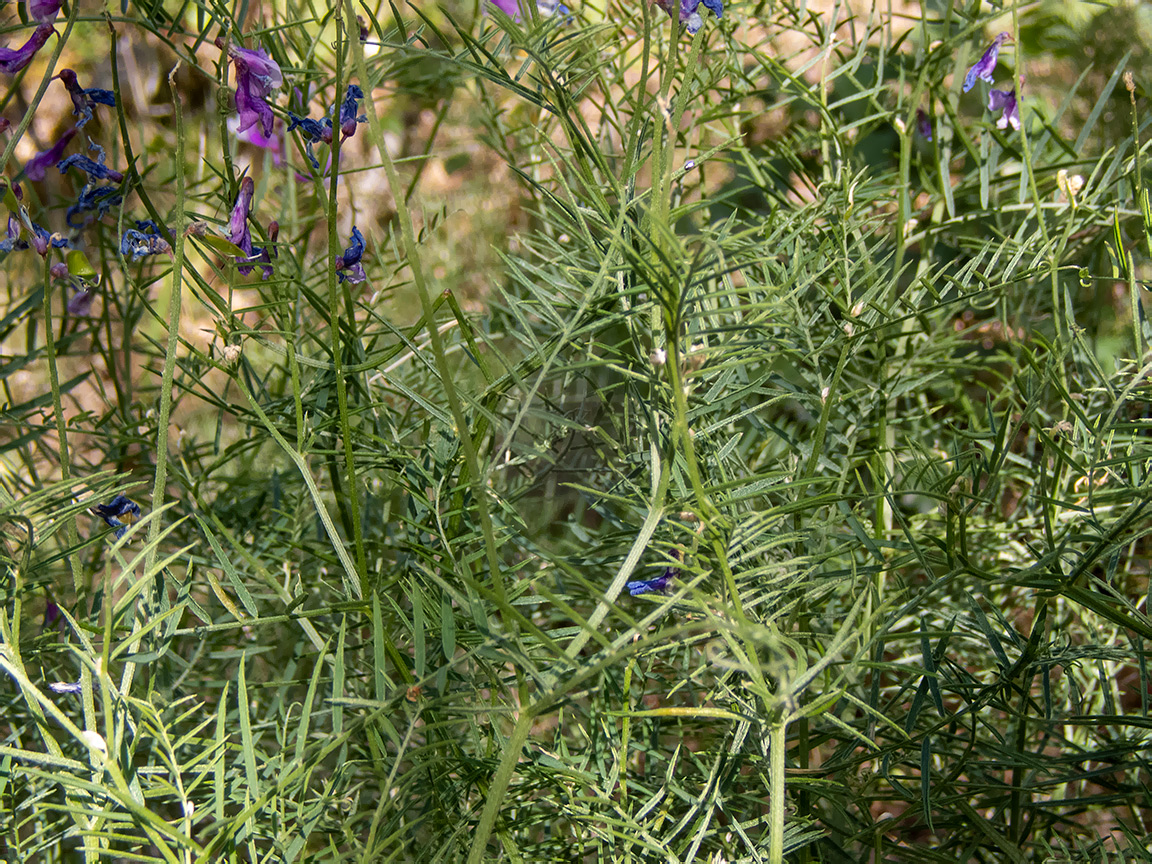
<point>637,300</point>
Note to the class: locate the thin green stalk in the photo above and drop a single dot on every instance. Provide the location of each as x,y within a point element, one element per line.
<point>71,534</point>
<point>1053,260</point>
<point>352,486</point>
<point>777,741</point>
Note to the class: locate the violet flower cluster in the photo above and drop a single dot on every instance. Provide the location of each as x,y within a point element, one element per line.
<point>320,131</point>
<point>998,100</point>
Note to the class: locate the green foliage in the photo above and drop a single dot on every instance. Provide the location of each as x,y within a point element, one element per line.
<point>881,403</point>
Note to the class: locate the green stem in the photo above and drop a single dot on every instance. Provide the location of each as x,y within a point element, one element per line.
<point>352,487</point>
<point>777,740</point>
<point>1053,260</point>
<point>71,534</point>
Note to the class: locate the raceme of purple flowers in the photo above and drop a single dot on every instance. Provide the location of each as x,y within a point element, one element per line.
<point>12,60</point>
<point>998,100</point>
<point>348,266</point>
<point>119,513</point>
<point>317,131</point>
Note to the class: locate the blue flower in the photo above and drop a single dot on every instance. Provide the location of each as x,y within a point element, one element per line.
<point>986,65</point>
<point>94,170</point>
<point>41,240</point>
<point>688,14</point>
<point>12,60</point>
<point>349,108</point>
<point>139,244</point>
<point>93,199</point>
<point>314,131</point>
<point>1005,101</point>
<point>657,585</point>
<point>119,513</point>
<point>66,687</point>
<point>83,101</point>
<point>238,231</point>
<point>348,266</point>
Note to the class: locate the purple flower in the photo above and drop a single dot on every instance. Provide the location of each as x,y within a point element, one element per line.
<point>273,143</point>
<point>94,170</point>
<point>511,8</point>
<point>42,238</point>
<point>93,199</point>
<point>119,513</point>
<point>84,100</point>
<point>314,131</point>
<point>257,75</point>
<point>38,164</point>
<point>688,14</point>
<point>923,124</point>
<point>658,585</point>
<point>43,10</point>
<point>80,303</point>
<point>268,252</point>
<point>51,613</point>
<point>66,686</point>
<point>1005,100</point>
<point>238,231</point>
<point>986,65</point>
<point>349,108</point>
<point>12,61</point>
<point>348,266</point>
